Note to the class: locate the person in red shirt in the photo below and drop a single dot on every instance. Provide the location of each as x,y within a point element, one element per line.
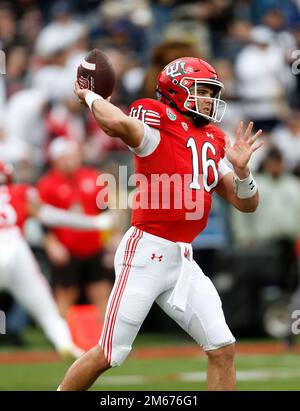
<point>19,272</point>
<point>76,257</point>
<point>179,155</point>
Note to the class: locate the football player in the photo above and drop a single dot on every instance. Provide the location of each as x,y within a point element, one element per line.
<point>19,271</point>
<point>174,136</point>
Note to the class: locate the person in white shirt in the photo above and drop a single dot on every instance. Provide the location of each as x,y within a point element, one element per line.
<point>286,137</point>
<point>263,79</point>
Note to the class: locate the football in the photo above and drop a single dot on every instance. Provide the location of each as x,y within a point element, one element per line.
<point>96,73</point>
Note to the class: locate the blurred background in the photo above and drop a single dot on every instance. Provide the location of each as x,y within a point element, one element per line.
<point>253,260</point>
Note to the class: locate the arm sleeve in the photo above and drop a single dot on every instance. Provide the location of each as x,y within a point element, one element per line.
<point>223,169</point>
<point>55,217</point>
<point>152,114</point>
<point>150,141</point>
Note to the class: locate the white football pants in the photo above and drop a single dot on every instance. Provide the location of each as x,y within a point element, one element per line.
<point>149,268</point>
<point>20,275</point>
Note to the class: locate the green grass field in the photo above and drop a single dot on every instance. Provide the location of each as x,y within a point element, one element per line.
<point>255,372</point>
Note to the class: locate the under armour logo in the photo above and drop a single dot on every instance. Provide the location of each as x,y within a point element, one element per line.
<point>210,135</point>
<point>251,185</point>
<point>156,257</point>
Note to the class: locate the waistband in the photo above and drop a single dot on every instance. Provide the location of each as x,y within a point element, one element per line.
<point>157,239</point>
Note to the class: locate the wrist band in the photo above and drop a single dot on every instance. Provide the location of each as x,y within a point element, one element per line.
<point>246,188</point>
<point>91,97</point>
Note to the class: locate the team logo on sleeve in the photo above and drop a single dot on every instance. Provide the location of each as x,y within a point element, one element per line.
<point>150,117</point>
<point>170,113</point>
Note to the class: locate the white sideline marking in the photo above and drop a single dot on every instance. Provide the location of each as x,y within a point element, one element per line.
<point>250,375</point>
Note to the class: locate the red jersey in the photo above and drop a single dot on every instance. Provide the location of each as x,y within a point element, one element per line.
<point>76,193</point>
<point>185,153</point>
<point>13,204</point>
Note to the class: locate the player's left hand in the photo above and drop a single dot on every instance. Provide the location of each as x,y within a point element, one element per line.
<point>244,146</point>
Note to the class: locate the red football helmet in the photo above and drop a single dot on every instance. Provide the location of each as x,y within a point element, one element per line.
<point>6,173</point>
<point>178,85</point>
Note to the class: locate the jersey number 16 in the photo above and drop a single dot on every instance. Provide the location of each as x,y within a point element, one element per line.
<point>206,162</point>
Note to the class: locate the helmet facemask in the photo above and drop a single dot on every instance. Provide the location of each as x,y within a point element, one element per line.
<point>194,100</point>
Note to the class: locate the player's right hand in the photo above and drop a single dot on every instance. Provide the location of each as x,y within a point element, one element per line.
<point>80,93</point>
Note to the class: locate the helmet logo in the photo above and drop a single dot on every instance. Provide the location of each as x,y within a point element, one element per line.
<point>172,116</point>
<point>176,69</point>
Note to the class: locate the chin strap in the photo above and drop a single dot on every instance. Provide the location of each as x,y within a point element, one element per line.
<point>197,119</point>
